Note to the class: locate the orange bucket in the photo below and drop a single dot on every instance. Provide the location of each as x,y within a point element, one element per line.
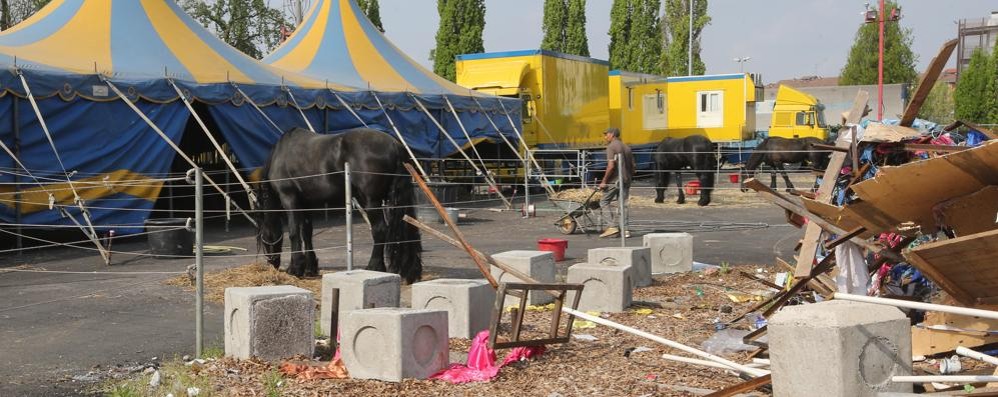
<point>556,246</point>
<point>733,178</point>
<point>693,188</point>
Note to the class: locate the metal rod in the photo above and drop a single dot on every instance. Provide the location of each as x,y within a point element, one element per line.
<point>347,188</point>
<point>675,345</point>
<point>526,189</point>
<point>945,378</point>
<point>963,351</point>
<point>621,199</point>
<point>919,305</point>
<point>17,179</point>
<point>199,261</point>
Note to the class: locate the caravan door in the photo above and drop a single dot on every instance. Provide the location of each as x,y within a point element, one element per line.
<point>710,109</point>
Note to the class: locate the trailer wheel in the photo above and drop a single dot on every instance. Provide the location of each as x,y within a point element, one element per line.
<point>567,225</point>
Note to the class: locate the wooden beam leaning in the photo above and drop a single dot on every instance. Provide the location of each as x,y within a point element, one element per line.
<point>748,385</point>
<point>812,234</point>
<point>450,223</point>
<point>928,80</point>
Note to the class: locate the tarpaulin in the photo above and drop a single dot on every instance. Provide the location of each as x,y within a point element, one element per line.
<point>481,365</point>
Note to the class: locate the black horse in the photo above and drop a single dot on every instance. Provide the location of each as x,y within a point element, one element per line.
<point>304,173</point>
<point>672,155</point>
<point>776,151</point>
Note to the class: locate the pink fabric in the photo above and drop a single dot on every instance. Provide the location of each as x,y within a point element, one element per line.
<point>481,362</point>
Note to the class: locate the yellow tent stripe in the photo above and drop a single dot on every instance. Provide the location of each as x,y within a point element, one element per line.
<point>38,16</point>
<point>121,181</point>
<point>193,53</point>
<point>368,61</point>
<point>65,50</point>
<point>304,53</point>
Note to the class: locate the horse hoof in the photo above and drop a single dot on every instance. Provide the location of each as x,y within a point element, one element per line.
<point>703,204</point>
<point>659,200</point>
<point>680,201</point>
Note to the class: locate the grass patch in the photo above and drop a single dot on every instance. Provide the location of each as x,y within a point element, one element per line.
<point>272,382</point>
<point>175,378</point>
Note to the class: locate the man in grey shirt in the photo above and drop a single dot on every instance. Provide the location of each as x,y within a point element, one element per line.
<point>609,185</point>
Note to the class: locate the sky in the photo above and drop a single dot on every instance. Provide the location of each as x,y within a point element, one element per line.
<point>784,38</point>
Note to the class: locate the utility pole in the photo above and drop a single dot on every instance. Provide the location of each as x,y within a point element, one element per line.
<point>689,49</point>
<point>880,66</point>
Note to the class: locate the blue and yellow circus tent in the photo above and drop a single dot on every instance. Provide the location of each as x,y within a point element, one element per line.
<point>75,56</point>
<point>336,42</point>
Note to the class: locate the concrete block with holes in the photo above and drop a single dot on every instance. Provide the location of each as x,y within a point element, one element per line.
<point>537,264</point>
<point>840,348</point>
<point>359,289</point>
<point>391,344</point>
<point>468,303</point>
<point>638,258</point>
<point>670,252</point>
<point>607,288</point>
<point>271,322</point>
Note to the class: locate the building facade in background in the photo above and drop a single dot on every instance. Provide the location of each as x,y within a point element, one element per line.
<point>975,33</point>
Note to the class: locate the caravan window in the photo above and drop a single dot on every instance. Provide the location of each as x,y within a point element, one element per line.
<point>710,109</point>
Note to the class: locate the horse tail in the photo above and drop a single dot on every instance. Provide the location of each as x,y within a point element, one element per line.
<point>405,248</point>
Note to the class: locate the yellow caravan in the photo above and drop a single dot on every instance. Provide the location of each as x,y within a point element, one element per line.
<point>797,114</point>
<point>564,96</point>
<point>720,107</point>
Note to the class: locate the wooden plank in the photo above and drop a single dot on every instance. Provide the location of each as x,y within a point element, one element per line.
<point>934,148</point>
<point>821,284</point>
<point>749,385</point>
<point>845,237</point>
<point>928,80</point>
<point>812,234</point>
<point>927,341</point>
<point>965,267</point>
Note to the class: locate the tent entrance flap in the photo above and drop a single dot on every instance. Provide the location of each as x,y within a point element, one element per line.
<point>497,79</point>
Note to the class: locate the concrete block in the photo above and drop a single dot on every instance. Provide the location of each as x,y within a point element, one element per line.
<point>536,264</point>
<point>271,323</point>
<point>839,348</point>
<point>607,288</point>
<point>468,303</point>
<point>359,289</point>
<point>391,343</point>
<point>670,252</point>
<point>638,258</point>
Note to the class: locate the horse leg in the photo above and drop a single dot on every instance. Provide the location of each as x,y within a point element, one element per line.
<point>772,175</point>
<point>662,182</point>
<point>379,231</point>
<point>786,178</point>
<point>679,188</point>
<point>295,220</point>
<point>706,187</point>
<point>311,261</point>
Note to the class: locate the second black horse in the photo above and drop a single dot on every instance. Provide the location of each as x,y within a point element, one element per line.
<point>675,154</point>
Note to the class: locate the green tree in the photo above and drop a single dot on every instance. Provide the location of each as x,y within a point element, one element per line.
<point>899,60</point>
<point>555,23</point>
<point>460,32</point>
<point>576,41</point>
<point>373,12</point>
<point>646,37</point>
<point>13,12</point>
<point>992,90</point>
<point>620,34</point>
<point>248,25</point>
<point>676,32</point>
<point>939,105</point>
<point>975,90</point>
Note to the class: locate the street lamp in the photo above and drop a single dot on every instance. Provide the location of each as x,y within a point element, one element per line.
<point>741,63</point>
<point>880,17</point>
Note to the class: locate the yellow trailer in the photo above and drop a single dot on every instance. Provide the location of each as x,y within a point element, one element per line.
<point>564,96</point>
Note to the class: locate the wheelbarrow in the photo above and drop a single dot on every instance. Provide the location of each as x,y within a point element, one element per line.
<point>578,214</point>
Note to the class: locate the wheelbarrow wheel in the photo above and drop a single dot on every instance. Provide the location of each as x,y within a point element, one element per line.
<point>567,225</point>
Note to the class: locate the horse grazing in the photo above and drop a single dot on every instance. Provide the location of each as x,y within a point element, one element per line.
<point>304,173</point>
<point>776,151</point>
<point>696,152</point>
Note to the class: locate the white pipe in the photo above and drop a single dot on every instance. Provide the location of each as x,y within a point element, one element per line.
<point>675,345</point>
<point>919,305</point>
<point>963,351</point>
<point>705,363</point>
<point>945,378</point>
<point>761,361</point>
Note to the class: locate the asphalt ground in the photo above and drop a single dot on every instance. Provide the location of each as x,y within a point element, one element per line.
<point>70,317</point>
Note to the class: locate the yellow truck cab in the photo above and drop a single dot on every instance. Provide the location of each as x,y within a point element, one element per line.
<point>797,115</point>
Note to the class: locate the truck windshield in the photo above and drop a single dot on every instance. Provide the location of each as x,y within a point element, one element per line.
<point>821,119</point>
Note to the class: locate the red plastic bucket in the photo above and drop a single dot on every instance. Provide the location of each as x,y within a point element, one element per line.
<point>733,178</point>
<point>693,188</point>
<point>553,245</point>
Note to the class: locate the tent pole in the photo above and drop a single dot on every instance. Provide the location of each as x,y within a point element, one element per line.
<point>297,106</point>
<point>544,178</point>
<point>397,133</point>
<point>488,178</point>
<point>169,142</point>
<point>474,148</point>
<point>350,109</point>
<point>218,147</point>
<point>76,196</point>
<point>526,149</point>
<point>250,100</point>
<point>17,179</point>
